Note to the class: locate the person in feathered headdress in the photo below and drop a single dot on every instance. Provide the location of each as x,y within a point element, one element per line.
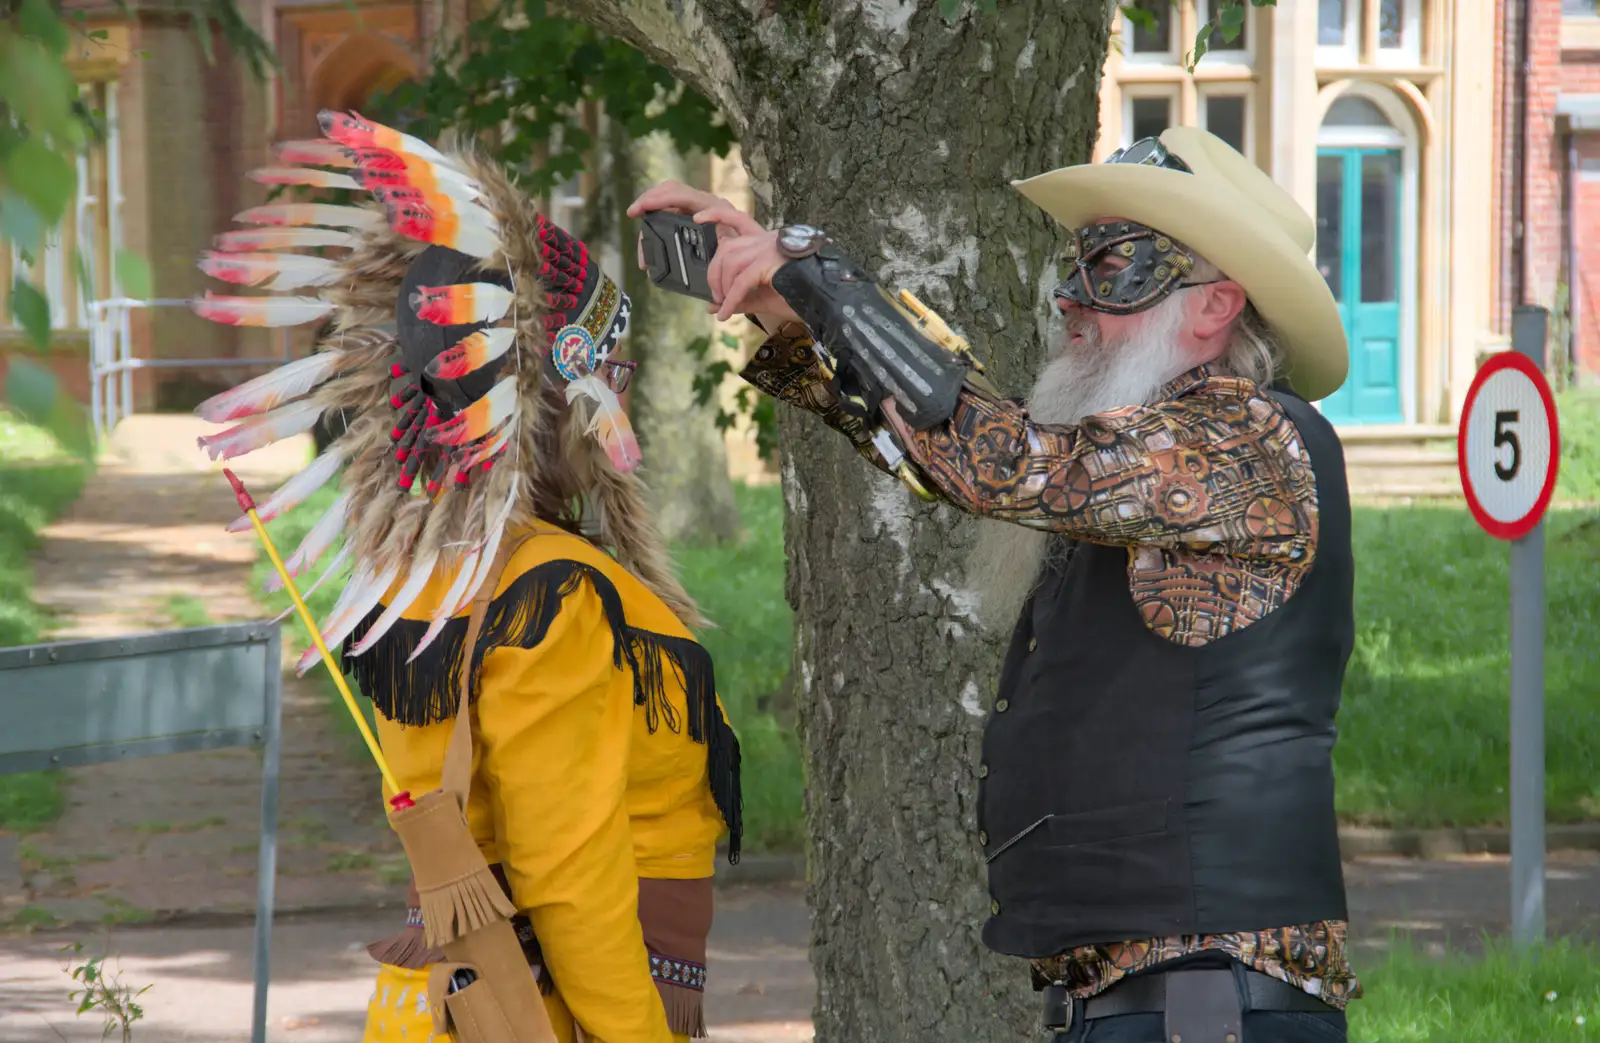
<point>471,356</point>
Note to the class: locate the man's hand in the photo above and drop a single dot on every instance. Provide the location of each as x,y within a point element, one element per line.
<point>737,236</point>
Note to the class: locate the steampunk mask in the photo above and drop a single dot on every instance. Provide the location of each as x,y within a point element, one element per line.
<point>1122,267</point>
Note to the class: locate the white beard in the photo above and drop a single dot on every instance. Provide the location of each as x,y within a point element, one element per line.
<point>1081,380</point>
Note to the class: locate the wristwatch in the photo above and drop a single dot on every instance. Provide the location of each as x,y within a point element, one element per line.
<point>797,241</point>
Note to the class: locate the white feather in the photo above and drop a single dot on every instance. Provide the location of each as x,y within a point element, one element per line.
<point>452,597</point>
<point>421,572</point>
<point>263,430</point>
<point>270,389</point>
<point>296,489</point>
<point>320,537</point>
<point>335,564</point>
<point>358,600</point>
<point>491,547</point>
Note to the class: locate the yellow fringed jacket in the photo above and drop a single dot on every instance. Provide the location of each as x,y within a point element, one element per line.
<point>601,758</point>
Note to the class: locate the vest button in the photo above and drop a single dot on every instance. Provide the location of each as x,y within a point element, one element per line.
<point>983,838</point>
<point>994,908</point>
<point>1002,706</point>
<point>983,771</point>
<point>1033,643</point>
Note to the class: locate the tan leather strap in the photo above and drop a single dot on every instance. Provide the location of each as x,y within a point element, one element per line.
<point>457,776</point>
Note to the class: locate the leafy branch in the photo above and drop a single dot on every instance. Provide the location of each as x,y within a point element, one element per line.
<point>114,1000</point>
<point>519,78</point>
<point>1227,22</point>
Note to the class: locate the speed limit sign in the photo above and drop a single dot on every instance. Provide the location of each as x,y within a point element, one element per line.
<point>1508,446</point>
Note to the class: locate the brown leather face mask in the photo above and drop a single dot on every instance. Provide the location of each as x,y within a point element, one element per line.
<point>1122,267</point>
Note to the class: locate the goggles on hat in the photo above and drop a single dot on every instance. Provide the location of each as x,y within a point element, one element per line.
<point>1121,267</point>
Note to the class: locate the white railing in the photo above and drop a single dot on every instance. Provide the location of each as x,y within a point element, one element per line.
<point>111,361</point>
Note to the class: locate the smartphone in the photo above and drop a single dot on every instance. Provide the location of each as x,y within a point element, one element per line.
<point>677,252</point>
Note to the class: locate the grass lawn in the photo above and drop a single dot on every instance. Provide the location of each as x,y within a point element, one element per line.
<point>37,483</point>
<point>1548,996</point>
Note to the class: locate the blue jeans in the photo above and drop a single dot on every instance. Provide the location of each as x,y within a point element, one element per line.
<point>1260,1026</point>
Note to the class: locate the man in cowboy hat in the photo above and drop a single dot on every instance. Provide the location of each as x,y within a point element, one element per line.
<point>1169,540</point>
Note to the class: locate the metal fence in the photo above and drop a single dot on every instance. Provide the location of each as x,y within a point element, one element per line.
<point>76,703</point>
<point>111,361</point>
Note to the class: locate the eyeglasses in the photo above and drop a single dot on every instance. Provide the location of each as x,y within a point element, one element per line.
<point>1149,152</point>
<point>618,373</point>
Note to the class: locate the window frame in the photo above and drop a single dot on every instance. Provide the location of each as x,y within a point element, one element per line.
<point>1173,55</point>
<point>1347,53</point>
<point>1410,50</point>
<point>1227,54</point>
<point>1132,92</point>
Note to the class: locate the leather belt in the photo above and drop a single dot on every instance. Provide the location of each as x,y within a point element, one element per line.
<point>1149,994</point>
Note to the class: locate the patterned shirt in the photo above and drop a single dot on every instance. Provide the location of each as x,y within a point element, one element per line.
<point>1211,491</point>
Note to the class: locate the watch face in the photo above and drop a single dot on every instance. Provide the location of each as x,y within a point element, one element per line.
<point>800,240</point>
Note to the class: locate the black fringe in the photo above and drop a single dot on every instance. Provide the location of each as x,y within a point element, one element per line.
<point>425,691</point>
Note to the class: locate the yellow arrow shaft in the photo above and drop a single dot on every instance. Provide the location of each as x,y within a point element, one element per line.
<point>327,657</point>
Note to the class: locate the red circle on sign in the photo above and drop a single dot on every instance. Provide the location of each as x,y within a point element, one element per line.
<point>1517,527</point>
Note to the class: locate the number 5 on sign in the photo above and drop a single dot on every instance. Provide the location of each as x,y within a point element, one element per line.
<point>1509,446</point>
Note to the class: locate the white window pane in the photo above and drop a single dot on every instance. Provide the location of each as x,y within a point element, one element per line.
<point>1580,8</point>
<point>1352,110</point>
<point>1224,117</point>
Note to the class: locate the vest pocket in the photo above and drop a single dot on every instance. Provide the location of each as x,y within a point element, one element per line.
<point>1105,824</point>
<point>1105,870</point>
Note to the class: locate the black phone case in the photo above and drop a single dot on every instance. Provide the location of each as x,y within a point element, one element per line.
<point>678,252</point>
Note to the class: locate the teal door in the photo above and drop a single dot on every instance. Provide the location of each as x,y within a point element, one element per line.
<point>1359,254</point>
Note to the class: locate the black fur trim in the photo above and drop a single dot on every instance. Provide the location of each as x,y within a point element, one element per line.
<point>425,691</point>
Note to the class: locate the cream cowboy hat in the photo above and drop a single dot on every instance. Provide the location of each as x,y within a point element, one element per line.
<point>1235,216</point>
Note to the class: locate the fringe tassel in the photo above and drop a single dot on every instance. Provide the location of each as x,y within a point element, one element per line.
<point>424,691</point>
<point>722,761</point>
<point>463,906</point>
<point>686,1011</point>
<point>407,949</point>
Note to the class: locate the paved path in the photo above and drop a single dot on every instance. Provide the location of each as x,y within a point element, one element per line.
<point>760,985</point>
<point>143,838</point>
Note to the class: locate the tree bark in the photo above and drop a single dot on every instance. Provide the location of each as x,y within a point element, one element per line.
<point>685,457</point>
<point>898,134</point>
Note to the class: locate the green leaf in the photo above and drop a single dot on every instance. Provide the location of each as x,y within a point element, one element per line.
<point>42,176</point>
<point>948,9</point>
<point>31,311</point>
<point>34,392</point>
<point>1231,20</point>
<point>20,223</point>
<point>37,19</point>
<point>1201,45</point>
<point>80,269</point>
<point>99,34</point>
<point>133,275</point>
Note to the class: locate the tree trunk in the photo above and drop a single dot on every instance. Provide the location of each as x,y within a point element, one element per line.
<point>685,458</point>
<point>898,134</point>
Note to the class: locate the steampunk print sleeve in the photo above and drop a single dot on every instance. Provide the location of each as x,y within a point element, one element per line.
<point>1210,489</point>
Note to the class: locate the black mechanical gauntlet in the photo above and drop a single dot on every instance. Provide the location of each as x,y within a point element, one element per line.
<point>881,348</point>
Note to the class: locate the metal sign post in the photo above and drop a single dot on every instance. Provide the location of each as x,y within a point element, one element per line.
<point>1509,448</point>
<point>74,703</point>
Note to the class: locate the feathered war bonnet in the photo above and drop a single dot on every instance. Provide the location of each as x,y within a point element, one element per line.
<point>468,348</point>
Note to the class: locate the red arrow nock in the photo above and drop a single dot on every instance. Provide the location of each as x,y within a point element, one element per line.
<point>240,493</point>
<point>402,800</point>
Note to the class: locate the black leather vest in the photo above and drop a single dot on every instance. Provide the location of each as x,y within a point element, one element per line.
<point>1133,788</point>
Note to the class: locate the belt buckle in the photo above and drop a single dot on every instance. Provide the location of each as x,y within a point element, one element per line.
<point>1057,1008</point>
